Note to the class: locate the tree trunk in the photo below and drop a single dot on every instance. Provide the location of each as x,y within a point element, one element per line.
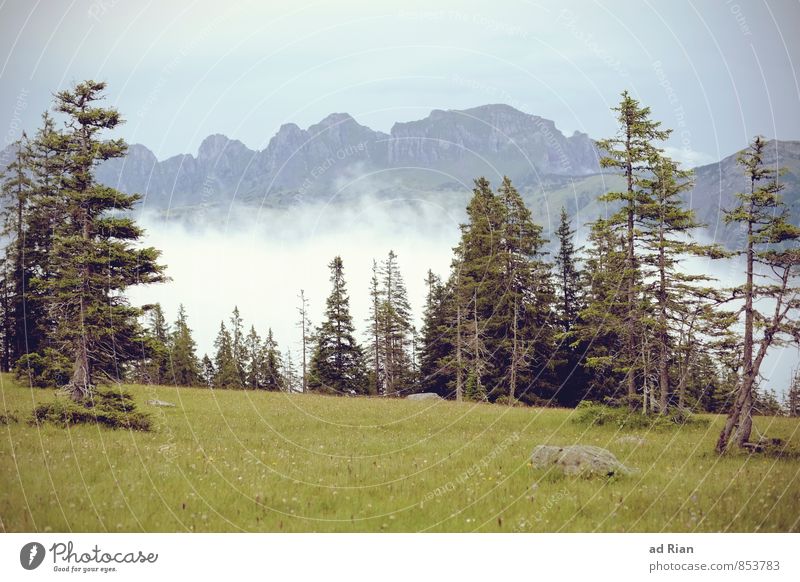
<point>739,422</point>
<point>459,367</point>
<point>512,390</point>
<point>631,320</point>
<point>663,356</point>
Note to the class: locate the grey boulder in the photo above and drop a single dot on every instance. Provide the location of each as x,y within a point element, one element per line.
<point>584,460</point>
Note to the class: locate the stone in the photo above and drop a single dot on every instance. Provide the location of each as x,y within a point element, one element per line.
<point>584,460</point>
<point>162,403</point>
<point>424,396</point>
<point>631,440</point>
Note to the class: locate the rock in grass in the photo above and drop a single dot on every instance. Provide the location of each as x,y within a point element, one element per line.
<point>157,402</point>
<point>631,440</point>
<point>579,460</point>
<point>424,396</point>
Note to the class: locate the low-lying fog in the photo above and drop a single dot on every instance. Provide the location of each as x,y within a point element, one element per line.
<point>259,260</point>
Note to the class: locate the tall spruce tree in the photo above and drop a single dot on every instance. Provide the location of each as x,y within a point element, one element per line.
<point>395,326</point>
<point>772,260</point>
<point>337,364</point>
<point>568,282</point>
<point>632,152</point>
<point>94,257</point>
<point>274,377</point>
<point>677,298</point>
<point>254,360</point>
<point>599,330</point>
<point>185,368</point>
<point>16,190</point>
<point>525,344</point>
<point>157,346</point>
<point>227,373</point>
<point>435,339</point>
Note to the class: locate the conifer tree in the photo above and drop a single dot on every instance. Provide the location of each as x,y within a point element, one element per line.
<point>771,243</point>
<point>375,331</point>
<point>157,346</point>
<point>274,378</point>
<point>226,368</point>
<point>665,234</point>
<point>94,254</point>
<point>238,345</point>
<point>632,152</point>
<point>337,364</point>
<point>395,325</point>
<point>184,366</point>
<point>567,274</point>
<point>16,192</point>
<point>305,339</point>
<point>599,330</point>
<point>524,344</point>
<point>254,360</point>
<point>208,373</point>
<point>435,339</point>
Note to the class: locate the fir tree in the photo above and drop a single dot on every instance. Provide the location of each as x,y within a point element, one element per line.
<point>254,360</point>
<point>208,373</point>
<point>226,368</point>
<point>274,378</point>
<point>567,274</point>
<point>16,191</point>
<point>666,228</point>
<point>185,368</point>
<point>95,257</point>
<point>395,325</point>
<point>435,345</point>
<point>632,152</point>
<point>157,346</point>
<point>771,242</point>
<point>337,364</point>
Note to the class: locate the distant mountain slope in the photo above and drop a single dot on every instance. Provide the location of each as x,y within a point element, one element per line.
<point>432,160</point>
<point>716,186</point>
<point>445,148</point>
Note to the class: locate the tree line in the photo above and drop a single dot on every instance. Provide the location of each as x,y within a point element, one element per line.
<point>620,320</point>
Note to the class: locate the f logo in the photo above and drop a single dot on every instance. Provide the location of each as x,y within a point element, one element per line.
<point>31,555</point>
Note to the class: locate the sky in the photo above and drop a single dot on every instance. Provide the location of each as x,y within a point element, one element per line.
<point>718,72</point>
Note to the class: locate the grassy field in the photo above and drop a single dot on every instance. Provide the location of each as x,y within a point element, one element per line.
<point>245,461</point>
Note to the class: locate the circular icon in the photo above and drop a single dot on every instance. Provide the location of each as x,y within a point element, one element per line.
<point>31,555</point>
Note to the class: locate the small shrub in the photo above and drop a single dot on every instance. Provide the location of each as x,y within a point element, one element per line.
<point>592,413</point>
<point>107,407</point>
<point>9,418</point>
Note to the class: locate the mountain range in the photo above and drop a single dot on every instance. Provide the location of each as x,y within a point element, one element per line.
<point>434,159</point>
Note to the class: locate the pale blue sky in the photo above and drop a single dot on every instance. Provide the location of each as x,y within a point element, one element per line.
<point>716,71</point>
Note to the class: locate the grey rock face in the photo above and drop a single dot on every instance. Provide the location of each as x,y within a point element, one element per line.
<point>448,146</point>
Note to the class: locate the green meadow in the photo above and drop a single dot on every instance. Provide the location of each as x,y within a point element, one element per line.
<point>256,461</point>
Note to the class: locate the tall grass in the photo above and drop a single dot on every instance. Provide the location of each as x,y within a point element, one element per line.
<point>254,461</point>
